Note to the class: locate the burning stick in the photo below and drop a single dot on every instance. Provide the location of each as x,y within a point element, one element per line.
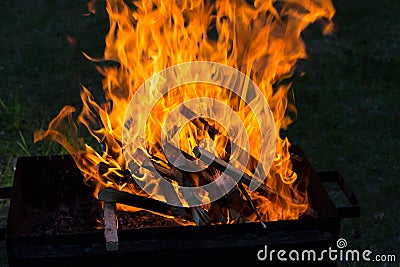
<point>145,162</point>
<point>221,165</point>
<point>200,216</point>
<point>244,178</point>
<point>198,213</point>
<point>203,124</point>
<point>251,204</point>
<point>111,197</point>
<point>141,202</point>
<point>200,123</point>
<point>173,149</point>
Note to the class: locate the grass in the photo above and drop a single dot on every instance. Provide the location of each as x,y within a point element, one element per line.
<point>41,72</point>
<point>347,100</point>
<point>348,112</point>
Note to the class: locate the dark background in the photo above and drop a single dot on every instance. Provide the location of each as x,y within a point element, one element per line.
<point>347,100</point>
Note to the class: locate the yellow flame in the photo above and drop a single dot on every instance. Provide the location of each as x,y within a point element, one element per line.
<point>261,38</point>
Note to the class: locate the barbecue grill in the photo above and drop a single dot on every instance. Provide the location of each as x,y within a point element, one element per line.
<point>54,220</point>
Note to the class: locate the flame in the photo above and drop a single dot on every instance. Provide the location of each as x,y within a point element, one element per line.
<point>71,41</point>
<point>91,6</point>
<point>261,39</point>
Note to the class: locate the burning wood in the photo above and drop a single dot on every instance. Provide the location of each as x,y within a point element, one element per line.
<point>203,124</point>
<point>200,122</point>
<point>223,166</point>
<point>244,192</point>
<point>114,196</point>
<point>198,214</point>
<point>122,176</point>
<point>169,171</point>
<point>262,41</point>
<point>33,235</point>
<point>242,177</point>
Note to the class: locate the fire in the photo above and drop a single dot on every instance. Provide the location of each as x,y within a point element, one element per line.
<point>91,8</point>
<point>262,39</point>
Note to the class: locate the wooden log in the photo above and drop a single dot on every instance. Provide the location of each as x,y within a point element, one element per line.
<point>172,148</point>
<point>141,202</point>
<point>198,121</point>
<point>201,123</point>
<point>165,172</point>
<point>230,170</point>
<point>157,167</point>
<point>244,178</point>
<point>251,204</point>
<point>154,164</point>
<point>200,215</point>
<point>110,226</point>
<point>122,176</point>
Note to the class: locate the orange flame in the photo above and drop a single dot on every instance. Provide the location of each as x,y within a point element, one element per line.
<point>71,41</point>
<point>91,5</point>
<point>261,39</point>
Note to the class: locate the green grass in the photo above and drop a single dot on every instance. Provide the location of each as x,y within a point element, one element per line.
<point>348,115</point>
<point>347,100</point>
<point>41,72</point>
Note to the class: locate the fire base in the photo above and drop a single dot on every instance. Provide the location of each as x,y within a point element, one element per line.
<point>53,217</point>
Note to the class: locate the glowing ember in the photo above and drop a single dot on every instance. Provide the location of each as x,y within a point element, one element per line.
<point>262,39</point>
